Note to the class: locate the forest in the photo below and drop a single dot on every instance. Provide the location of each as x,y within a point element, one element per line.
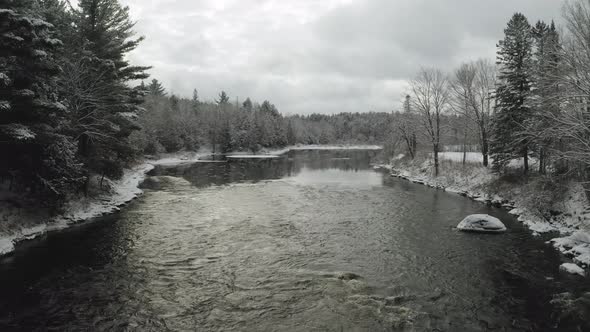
<point>171,123</point>
<point>72,104</point>
<point>531,104</point>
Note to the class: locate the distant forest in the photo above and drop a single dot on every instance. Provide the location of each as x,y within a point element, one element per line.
<point>171,124</point>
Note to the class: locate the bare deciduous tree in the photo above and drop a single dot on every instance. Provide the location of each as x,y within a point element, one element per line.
<point>472,90</point>
<point>431,98</point>
<point>407,127</point>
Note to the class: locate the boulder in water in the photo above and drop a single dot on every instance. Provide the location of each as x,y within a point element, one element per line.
<point>482,223</point>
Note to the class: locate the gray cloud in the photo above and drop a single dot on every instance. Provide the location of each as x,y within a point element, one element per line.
<point>317,55</point>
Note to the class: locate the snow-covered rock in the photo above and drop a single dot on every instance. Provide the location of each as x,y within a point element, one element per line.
<point>481,223</point>
<point>572,268</point>
<point>6,245</point>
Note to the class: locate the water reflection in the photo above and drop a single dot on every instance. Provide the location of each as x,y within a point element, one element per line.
<point>290,165</point>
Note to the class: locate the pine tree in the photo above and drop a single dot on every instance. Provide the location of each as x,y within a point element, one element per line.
<point>34,151</point>
<point>223,99</point>
<point>247,105</point>
<point>104,106</point>
<point>291,138</point>
<point>513,94</point>
<point>156,89</point>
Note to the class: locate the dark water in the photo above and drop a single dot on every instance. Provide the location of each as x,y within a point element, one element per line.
<point>315,241</point>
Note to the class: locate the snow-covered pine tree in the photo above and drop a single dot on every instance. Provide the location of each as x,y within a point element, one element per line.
<point>103,105</point>
<point>513,94</point>
<point>35,153</point>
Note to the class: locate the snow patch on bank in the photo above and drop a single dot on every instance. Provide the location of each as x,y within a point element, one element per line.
<point>6,245</point>
<point>252,156</point>
<point>335,147</point>
<point>572,268</point>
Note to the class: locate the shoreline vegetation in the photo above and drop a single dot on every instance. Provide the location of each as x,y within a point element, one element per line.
<point>20,224</point>
<point>563,213</point>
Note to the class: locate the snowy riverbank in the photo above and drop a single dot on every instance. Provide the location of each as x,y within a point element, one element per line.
<point>19,224</point>
<point>569,217</point>
<point>121,192</point>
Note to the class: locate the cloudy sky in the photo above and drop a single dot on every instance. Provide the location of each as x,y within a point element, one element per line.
<point>322,56</point>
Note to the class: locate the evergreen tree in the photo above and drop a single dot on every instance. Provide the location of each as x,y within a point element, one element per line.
<point>195,99</point>
<point>223,99</point>
<point>247,105</point>
<point>225,137</point>
<point>291,138</point>
<point>35,152</point>
<point>174,103</point>
<point>513,94</point>
<point>156,89</point>
<point>195,102</point>
<point>104,106</point>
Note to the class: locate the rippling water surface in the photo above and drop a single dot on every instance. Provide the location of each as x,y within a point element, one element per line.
<point>313,241</point>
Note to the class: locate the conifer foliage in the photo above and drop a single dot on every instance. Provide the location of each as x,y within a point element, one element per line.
<point>513,94</point>
<point>66,105</point>
<point>36,155</point>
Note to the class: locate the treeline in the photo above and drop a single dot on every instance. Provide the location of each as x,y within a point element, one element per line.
<point>531,104</point>
<point>171,124</point>
<point>66,107</point>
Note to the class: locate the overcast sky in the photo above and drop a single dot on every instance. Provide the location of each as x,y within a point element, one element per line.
<point>322,56</point>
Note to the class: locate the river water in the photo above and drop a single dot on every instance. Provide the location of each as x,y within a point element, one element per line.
<point>312,241</point>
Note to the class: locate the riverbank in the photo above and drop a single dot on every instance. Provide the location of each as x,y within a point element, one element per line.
<point>563,212</point>
<point>21,222</point>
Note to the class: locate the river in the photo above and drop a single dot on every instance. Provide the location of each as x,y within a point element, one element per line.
<point>311,241</point>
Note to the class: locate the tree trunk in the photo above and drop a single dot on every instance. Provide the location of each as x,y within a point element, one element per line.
<point>409,144</point>
<point>526,160</point>
<point>435,160</point>
<point>484,148</point>
<point>541,161</point>
<point>464,154</point>
<point>414,144</point>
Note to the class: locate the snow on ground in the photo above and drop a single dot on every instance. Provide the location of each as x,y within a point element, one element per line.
<point>336,147</point>
<point>470,157</point>
<point>572,268</point>
<point>252,156</point>
<point>477,158</point>
<point>6,245</point>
